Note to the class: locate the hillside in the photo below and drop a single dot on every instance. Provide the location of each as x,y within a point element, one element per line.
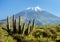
<point>41,16</point>
<point>40,34</point>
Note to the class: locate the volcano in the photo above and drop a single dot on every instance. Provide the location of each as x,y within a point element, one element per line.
<point>42,17</point>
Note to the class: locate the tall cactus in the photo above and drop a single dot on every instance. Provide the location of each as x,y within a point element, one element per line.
<point>27,30</point>
<point>13,21</point>
<point>33,26</point>
<point>14,24</point>
<point>8,24</point>
<point>33,22</point>
<point>29,27</point>
<point>24,28</point>
<point>20,27</point>
<point>15,27</point>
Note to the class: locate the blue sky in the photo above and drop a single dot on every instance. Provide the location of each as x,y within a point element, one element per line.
<point>10,7</point>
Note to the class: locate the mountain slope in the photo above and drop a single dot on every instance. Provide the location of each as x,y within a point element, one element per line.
<point>42,17</point>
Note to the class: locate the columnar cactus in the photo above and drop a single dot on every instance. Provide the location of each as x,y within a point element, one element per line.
<point>8,24</point>
<point>15,27</point>
<point>24,28</point>
<point>33,25</point>
<point>13,21</point>
<point>33,22</point>
<point>29,27</point>
<point>20,27</point>
<point>27,30</point>
<point>14,24</point>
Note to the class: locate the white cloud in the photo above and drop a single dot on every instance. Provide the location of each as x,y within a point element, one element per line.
<point>28,8</point>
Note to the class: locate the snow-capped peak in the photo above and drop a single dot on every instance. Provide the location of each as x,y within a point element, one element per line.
<point>35,8</point>
<point>38,9</point>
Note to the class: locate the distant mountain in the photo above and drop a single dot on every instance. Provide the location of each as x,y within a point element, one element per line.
<point>41,16</point>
